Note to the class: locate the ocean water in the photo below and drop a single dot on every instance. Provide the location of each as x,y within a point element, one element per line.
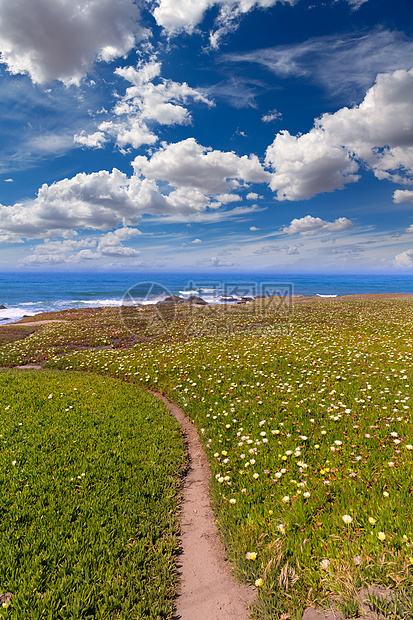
<point>27,294</point>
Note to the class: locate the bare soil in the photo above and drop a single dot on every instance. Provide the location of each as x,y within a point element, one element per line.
<point>208,590</point>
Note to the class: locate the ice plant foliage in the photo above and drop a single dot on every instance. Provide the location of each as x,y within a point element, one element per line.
<point>89,519</point>
<point>308,428</point>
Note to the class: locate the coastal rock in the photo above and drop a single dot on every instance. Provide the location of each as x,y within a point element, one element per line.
<point>2,307</point>
<point>193,299</point>
<point>173,299</point>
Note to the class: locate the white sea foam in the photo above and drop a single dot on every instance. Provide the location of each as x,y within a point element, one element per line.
<point>189,292</point>
<point>11,315</point>
<point>319,295</point>
<point>99,303</point>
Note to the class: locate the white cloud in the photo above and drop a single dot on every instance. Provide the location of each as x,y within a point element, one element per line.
<point>189,164</point>
<point>73,251</point>
<point>178,15</point>
<point>208,217</point>
<point>98,201</point>
<point>236,91</point>
<point>215,261</point>
<point>346,64</point>
<point>253,196</point>
<point>310,225</point>
<point>160,102</point>
<point>131,131</point>
<point>55,252</point>
<point>111,243</point>
<point>227,198</point>
<point>94,140</point>
<point>103,200</point>
<point>378,132</point>
<point>196,241</point>
<point>61,39</point>
<point>272,115</point>
<point>356,4</point>
<point>404,260</point>
<point>10,239</point>
<point>307,165</point>
<point>9,180</point>
<point>50,143</point>
<point>270,249</point>
<point>403,195</point>
<point>186,200</point>
<point>409,229</point>
<point>163,102</point>
<point>254,228</point>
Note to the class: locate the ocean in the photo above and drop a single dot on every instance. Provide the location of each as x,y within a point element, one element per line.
<point>27,294</point>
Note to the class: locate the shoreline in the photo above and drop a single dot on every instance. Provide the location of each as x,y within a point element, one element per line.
<point>30,320</point>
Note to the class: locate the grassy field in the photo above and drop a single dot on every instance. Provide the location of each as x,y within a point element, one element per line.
<point>306,419</point>
<point>89,473</point>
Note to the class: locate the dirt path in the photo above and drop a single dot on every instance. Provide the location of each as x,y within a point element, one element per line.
<point>207,589</point>
<point>34,323</point>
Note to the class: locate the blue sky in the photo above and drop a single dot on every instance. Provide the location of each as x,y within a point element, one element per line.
<point>246,135</point>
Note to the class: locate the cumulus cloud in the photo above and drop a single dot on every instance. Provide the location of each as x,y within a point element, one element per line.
<point>10,239</point>
<point>310,225</point>
<point>254,228</point>
<point>378,133</point>
<point>76,251</point>
<point>409,229</point>
<point>403,195</point>
<point>52,252</point>
<point>404,260</point>
<point>181,181</point>
<point>189,164</point>
<point>61,39</point>
<point>94,140</point>
<point>227,198</point>
<point>150,99</point>
<point>111,243</point>
<point>215,261</point>
<point>308,164</point>
<point>98,201</point>
<point>196,241</point>
<point>161,102</point>
<point>272,115</point>
<point>177,15</point>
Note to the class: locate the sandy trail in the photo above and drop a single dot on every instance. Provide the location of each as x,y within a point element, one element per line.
<point>207,589</point>
<point>34,323</point>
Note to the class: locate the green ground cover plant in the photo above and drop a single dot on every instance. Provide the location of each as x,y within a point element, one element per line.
<point>90,471</point>
<point>306,418</point>
<point>309,434</point>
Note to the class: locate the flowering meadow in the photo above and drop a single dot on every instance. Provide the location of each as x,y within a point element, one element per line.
<point>89,469</point>
<point>306,420</point>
